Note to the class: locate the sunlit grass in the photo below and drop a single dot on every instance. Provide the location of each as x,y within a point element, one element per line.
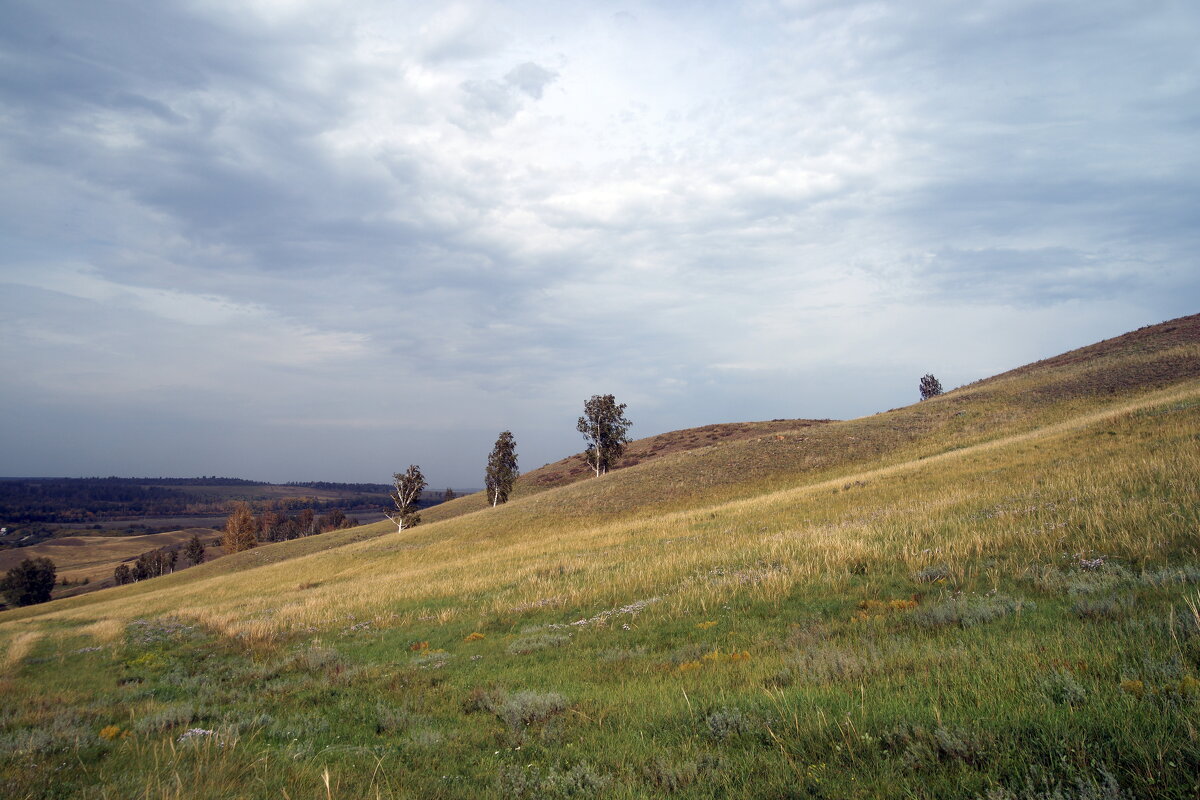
<point>933,604</point>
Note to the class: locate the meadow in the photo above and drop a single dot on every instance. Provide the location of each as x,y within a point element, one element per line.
<point>992,594</point>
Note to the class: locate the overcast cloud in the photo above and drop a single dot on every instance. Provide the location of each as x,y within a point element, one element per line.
<point>306,240</point>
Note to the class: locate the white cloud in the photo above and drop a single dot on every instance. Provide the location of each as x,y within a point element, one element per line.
<point>404,215</point>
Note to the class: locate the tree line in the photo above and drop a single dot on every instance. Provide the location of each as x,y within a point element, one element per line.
<point>244,530</point>
<point>33,500</point>
<point>162,561</point>
<point>605,431</point>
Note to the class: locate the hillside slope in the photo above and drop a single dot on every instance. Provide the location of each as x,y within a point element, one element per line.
<point>740,460</point>
<point>993,593</point>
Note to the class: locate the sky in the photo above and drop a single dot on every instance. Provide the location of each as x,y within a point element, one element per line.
<point>296,240</point>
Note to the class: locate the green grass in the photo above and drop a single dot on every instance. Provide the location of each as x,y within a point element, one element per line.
<point>992,594</point>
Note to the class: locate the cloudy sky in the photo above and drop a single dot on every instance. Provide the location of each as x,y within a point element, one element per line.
<point>308,240</point>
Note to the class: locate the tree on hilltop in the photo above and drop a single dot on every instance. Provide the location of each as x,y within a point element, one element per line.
<point>605,429</point>
<point>448,495</point>
<point>29,582</point>
<point>241,530</point>
<point>930,387</point>
<point>406,492</point>
<point>502,469</point>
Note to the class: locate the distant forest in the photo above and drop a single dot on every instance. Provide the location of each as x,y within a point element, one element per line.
<point>26,500</point>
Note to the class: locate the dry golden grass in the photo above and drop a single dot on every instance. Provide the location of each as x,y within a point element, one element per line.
<point>954,508</point>
<point>95,557</point>
<point>105,631</point>
<point>20,644</point>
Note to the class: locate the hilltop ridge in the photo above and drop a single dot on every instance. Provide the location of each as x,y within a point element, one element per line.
<point>740,459</point>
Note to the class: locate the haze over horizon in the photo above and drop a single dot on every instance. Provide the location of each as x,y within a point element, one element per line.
<point>294,241</point>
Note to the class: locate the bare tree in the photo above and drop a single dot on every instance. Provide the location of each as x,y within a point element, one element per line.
<point>407,491</point>
<point>930,387</point>
<point>502,469</point>
<point>604,428</point>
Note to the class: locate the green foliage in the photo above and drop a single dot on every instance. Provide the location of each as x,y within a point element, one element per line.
<point>194,551</point>
<point>406,491</point>
<point>154,563</point>
<point>930,387</point>
<point>501,472</point>
<point>29,582</point>
<point>727,722</point>
<point>605,430</point>
<point>1062,688</point>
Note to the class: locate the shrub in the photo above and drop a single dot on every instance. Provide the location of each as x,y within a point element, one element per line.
<point>1167,576</point>
<point>932,574</point>
<point>389,719</point>
<point>540,641</point>
<point>527,709</point>
<point>830,664</point>
<point>316,658</point>
<point>919,748</point>
<point>1062,689</point>
<point>580,780</point>
<point>727,722</point>
<point>1077,582</point>
<point>1107,607</point>
<point>965,611</point>
<point>1084,787</point>
<point>482,700</point>
<point>668,778</point>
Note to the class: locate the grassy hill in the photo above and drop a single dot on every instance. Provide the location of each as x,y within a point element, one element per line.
<point>989,594</point>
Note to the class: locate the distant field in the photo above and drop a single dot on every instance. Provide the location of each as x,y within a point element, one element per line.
<point>95,557</point>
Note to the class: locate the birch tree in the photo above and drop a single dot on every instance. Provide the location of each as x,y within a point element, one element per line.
<point>407,491</point>
<point>501,469</point>
<point>605,429</point>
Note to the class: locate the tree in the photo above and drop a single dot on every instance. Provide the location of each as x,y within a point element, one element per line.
<point>332,521</point>
<point>448,495</point>
<point>241,530</point>
<point>154,563</point>
<point>194,551</point>
<point>604,428</point>
<point>407,491</point>
<point>502,469</point>
<point>122,575</point>
<point>29,582</point>
<point>307,522</point>
<point>930,387</point>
